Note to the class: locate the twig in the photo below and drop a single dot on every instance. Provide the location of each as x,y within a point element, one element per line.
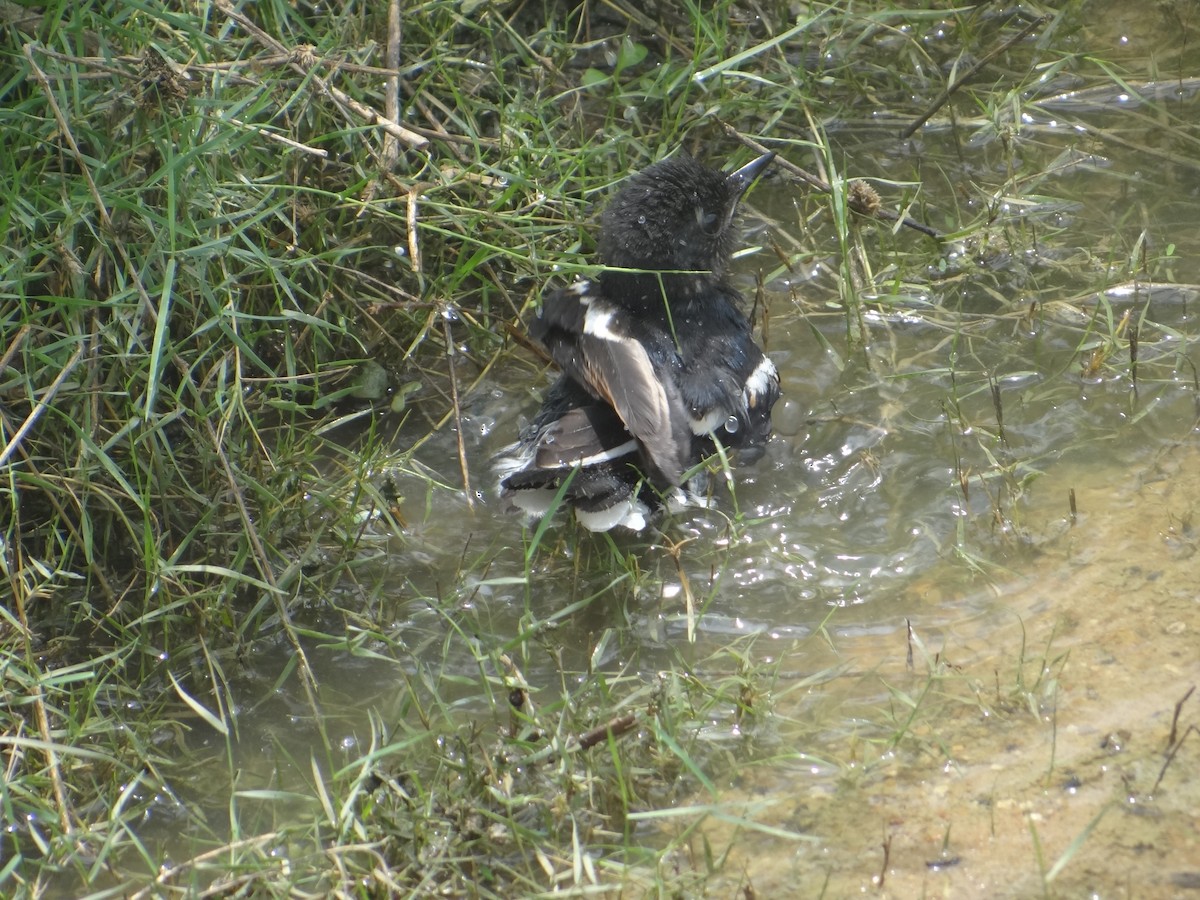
<point>438,131</point>
<point>410,221</point>
<point>1191,729</point>
<point>519,337</point>
<point>364,112</point>
<point>42,404</point>
<point>1175,718</point>
<point>674,550</point>
<point>610,729</point>
<point>965,76</point>
<point>887,855</point>
<point>99,67</point>
<point>391,87</point>
<point>441,423</point>
<point>279,138</point>
<point>824,187</point>
<point>457,410</point>
<point>14,345</point>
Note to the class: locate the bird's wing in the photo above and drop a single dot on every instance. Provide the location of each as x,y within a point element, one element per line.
<point>583,436</point>
<point>595,344</point>
<point>727,382</point>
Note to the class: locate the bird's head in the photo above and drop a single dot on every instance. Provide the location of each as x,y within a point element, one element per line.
<point>677,214</point>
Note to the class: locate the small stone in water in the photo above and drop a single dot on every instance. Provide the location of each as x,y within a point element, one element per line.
<point>787,418</point>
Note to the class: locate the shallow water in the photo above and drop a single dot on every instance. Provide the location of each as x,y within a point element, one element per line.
<point>1109,607</point>
<point>893,498</point>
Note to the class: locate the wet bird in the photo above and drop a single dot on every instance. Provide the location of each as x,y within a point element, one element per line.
<point>658,362</point>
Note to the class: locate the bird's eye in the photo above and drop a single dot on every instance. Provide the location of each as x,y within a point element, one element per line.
<point>707,220</point>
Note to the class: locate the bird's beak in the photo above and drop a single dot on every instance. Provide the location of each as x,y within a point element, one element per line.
<point>741,179</point>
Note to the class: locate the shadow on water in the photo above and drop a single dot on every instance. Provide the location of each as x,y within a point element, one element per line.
<point>982,472</point>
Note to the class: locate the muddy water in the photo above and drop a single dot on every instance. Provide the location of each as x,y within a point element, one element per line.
<point>1017,743</point>
<point>1020,743</point>
<point>1105,616</point>
<point>921,481</point>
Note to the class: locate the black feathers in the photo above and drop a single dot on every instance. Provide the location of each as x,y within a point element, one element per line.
<point>657,360</point>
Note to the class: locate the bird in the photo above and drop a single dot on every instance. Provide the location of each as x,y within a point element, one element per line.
<point>658,363</point>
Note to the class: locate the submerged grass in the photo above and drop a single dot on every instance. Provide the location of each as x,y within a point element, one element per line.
<point>251,266</point>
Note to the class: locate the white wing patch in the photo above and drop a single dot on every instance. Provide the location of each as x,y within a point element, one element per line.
<point>597,322</point>
<point>606,455</point>
<point>760,382</point>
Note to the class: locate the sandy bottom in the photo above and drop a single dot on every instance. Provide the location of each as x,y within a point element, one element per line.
<point>1053,790</point>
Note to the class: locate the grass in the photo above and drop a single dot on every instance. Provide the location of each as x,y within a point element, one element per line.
<point>246,333</point>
